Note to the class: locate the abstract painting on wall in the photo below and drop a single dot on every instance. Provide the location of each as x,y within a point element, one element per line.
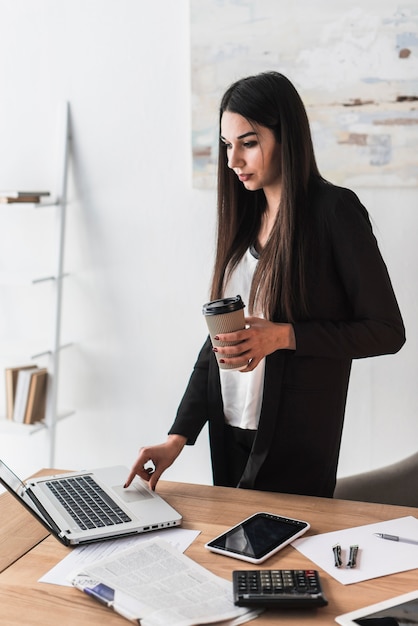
<point>355,67</point>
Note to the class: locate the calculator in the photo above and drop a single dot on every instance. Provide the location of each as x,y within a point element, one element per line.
<point>277,588</point>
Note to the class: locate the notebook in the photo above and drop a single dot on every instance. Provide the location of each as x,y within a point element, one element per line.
<point>87,506</point>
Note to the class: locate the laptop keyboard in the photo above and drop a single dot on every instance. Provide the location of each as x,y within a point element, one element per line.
<point>87,503</point>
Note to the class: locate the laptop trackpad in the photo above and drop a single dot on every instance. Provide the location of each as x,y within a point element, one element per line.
<point>134,493</point>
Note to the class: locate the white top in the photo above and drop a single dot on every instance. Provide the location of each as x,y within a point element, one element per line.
<point>242,393</point>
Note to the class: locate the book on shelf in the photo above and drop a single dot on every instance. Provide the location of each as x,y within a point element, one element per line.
<point>21,394</point>
<point>36,402</point>
<point>30,386</point>
<point>32,197</point>
<point>11,384</point>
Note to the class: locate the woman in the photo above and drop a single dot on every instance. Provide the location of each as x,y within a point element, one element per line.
<point>301,253</point>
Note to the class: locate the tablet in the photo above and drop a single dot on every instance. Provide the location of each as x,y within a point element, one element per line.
<point>400,610</point>
<point>258,537</point>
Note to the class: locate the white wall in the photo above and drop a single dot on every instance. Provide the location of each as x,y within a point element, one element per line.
<point>140,239</point>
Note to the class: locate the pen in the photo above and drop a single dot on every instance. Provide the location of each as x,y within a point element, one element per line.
<point>396,538</point>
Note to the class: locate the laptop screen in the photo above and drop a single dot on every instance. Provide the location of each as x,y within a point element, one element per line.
<point>10,480</point>
<point>18,489</point>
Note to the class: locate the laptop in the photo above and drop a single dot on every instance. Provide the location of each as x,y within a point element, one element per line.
<point>83,507</point>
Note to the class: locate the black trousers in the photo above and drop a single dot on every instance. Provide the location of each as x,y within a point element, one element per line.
<point>239,442</point>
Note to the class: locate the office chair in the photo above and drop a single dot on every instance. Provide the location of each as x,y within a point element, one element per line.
<point>393,484</point>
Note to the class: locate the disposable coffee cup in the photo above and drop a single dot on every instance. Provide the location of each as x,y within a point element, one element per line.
<point>225,316</point>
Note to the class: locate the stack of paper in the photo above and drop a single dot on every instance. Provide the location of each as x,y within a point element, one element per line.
<point>156,584</point>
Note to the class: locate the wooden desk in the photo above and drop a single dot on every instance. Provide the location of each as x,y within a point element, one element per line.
<point>28,555</point>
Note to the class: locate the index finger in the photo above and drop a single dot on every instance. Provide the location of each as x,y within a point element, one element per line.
<point>137,470</point>
<point>129,479</point>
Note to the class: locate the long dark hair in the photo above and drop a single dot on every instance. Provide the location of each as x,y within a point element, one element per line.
<point>278,288</point>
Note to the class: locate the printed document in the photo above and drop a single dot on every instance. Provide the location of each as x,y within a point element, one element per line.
<point>81,556</point>
<point>154,584</point>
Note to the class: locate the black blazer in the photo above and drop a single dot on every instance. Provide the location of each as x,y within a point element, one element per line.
<point>353,314</point>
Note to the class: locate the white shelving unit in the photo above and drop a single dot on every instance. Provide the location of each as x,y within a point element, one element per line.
<point>52,353</point>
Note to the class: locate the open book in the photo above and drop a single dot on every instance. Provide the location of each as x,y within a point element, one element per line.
<point>153,584</point>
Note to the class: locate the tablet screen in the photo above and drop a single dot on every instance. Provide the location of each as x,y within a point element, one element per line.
<point>399,611</point>
<point>258,535</point>
<point>405,613</point>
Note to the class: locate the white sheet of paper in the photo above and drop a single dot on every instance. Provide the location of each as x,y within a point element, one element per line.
<point>179,538</point>
<point>376,557</point>
<point>155,584</point>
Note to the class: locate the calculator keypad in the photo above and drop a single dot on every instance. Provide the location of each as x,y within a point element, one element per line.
<point>281,588</point>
